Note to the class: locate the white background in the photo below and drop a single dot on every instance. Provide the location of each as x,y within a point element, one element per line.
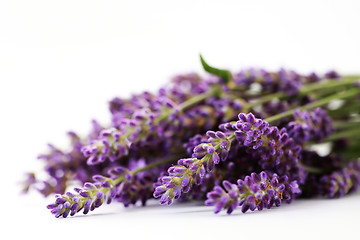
<point>62,61</point>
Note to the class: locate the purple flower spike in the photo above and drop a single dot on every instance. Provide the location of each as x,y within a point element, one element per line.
<point>284,81</point>
<point>341,182</point>
<point>192,171</point>
<point>254,192</point>
<point>195,141</point>
<point>314,125</point>
<point>181,178</point>
<point>275,148</point>
<point>109,145</point>
<point>91,196</point>
<point>332,75</point>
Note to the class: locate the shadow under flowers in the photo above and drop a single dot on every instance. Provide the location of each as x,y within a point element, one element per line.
<point>190,208</point>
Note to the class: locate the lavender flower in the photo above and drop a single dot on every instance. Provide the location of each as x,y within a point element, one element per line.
<point>341,182</point>
<point>122,186</point>
<point>88,198</point>
<point>271,145</point>
<point>313,77</point>
<point>273,148</point>
<point>257,191</point>
<point>193,142</point>
<point>190,171</point>
<point>314,125</point>
<point>332,75</point>
<point>135,187</point>
<point>225,107</point>
<point>29,180</point>
<point>284,81</point>
<point>63,166</point>
<point>109,145</point>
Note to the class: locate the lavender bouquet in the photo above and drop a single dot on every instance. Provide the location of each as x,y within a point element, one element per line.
<point>244,140</point>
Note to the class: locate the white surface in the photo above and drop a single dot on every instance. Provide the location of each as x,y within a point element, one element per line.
<point>325,219</point>
<point>61,61</point>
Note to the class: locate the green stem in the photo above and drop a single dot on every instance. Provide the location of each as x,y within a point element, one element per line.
<point>309,88</point>
<point>198,98</point>
<point>342,95</point>
<point>346,125</point>
<point>311,169</point>
<point>265,99</point>
<point>189,103</point>
<point>349,107</point>
<point>352,133</point>
<point>346,80</point>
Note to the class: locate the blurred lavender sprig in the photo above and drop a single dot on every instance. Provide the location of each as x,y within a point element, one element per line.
<point>314,125</point>
<point>341,182</point>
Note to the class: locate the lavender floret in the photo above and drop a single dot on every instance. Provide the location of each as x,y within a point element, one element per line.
<point>257,191</point>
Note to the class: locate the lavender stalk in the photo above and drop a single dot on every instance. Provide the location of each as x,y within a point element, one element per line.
<point>93,195</point>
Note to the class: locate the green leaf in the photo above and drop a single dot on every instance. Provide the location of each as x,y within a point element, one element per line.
<point>224,74</point>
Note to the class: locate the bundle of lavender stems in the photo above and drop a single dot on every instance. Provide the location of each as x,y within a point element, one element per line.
<point>238,141</point>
